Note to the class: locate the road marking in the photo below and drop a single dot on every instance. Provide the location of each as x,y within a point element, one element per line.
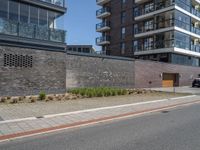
<point>5,138</point>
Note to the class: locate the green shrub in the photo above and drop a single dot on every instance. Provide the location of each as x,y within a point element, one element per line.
<point>42,95</point>
<point>98,91</point>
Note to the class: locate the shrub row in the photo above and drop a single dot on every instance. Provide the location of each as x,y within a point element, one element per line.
<point>98,91</point>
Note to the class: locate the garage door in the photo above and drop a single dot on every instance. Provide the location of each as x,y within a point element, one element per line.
<point>168,80</point>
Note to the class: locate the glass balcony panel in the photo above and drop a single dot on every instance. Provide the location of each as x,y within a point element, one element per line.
<point>57,35</point>
<point>8,27</point>
<point>31,31</point>
<point>42,33</point>
<point>26,30</point>
<point>55,2</point>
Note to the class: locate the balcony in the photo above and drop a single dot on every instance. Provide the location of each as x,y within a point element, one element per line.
<point>103,13</point>
<point>161,25</point>
<point>60,3</point>
<point>104,40</point>
<point>195,12</point>
<point>102,27</point>
<point>195,30</point>
<point>102,2</point>
<point>141,10</point>
<point>30,31</point>
<point>195,48</point>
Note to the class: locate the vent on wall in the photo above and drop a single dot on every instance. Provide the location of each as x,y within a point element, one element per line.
<point>14,60</point>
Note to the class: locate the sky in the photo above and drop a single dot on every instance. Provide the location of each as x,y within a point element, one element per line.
<point>80,22</point>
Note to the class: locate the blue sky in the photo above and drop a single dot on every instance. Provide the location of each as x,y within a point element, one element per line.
<point>80,22</point>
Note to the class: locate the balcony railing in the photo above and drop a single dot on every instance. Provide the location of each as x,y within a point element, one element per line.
<point>195,12</point>
<point>195,48</point>
<point>188,7</point>
<point>140,10</point>
<point>154,45</point>
<point>154,26</point>
<point>55,2</point>
<point>166,44</point>
<point>31,31</point>
<point>103,12</point>
<point>103,40</point>
<point>103,26</point>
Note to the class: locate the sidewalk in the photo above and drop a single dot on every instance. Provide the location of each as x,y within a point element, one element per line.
<point>48,123</point>
<point>24,110</point>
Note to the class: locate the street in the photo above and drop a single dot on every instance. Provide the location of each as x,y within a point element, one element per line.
<point>176,129</point>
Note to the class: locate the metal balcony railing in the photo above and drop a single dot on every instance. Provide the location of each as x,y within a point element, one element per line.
<point>103,40</point>
<point>102,11</point>
<point>103,25</point>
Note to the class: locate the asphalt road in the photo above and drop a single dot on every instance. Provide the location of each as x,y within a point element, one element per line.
<point>178,129</point>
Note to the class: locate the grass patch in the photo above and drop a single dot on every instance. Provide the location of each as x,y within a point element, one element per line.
<point>42,95</point>
<point>98,91</point>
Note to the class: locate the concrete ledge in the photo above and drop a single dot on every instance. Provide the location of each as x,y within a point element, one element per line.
<point>100,56</point>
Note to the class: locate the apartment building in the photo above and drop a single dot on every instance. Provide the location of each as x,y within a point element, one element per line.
<point>32,47</point>
<point>33,24</point>
<point>159,30</point>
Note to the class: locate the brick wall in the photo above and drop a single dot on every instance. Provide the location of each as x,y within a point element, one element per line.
<point>47,72</point>
<point>93,71</point>
<point>146,71</point>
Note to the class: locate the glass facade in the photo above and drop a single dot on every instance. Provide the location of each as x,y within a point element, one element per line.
<point>25,20</point>
<point>182,31</point>
<point>184,60</point>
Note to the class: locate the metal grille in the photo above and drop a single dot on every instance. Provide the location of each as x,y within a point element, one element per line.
<point>14,60</point>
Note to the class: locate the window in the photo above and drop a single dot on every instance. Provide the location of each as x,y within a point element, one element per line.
<point>123,2</point>
<point>33,15</point>
<point>122,48</point>
<point>123,32</point>
<point>148,25</point>
<point>182,40</point>
<point>43,17</point>
<point>182,20</point>
<point>135,46</point>
<point>123,16</point>
<point>149,8</point>
<point>148,43</point>
<point>3,9</point>
<point>13,11</point>
<point>24,13</point>
<point>135,29</point>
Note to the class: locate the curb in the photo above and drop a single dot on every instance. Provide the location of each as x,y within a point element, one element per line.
<point>89,122</point>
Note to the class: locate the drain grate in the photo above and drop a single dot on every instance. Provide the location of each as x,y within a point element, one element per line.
<point>165,111</point>
<point>1,119</point>
<point>40,117</point>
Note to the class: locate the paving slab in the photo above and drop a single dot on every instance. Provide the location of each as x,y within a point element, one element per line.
<point>17,111</point>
